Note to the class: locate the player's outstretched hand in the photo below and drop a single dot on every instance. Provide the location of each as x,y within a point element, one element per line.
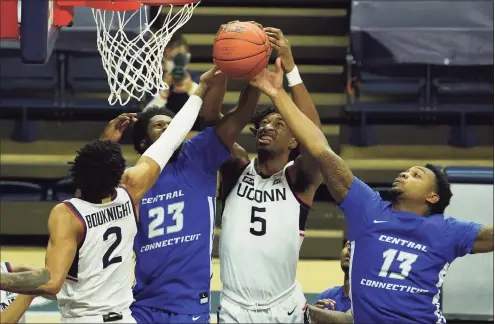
<point>116,127</point>
<point>269,82</point>
<point>212,76</point>
<point>326,304</point>
<point>281,45</point>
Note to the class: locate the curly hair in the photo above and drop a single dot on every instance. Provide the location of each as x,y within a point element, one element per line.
<point>97,169</point>
<point>260,113</point>
<point>443,190</point>
<point>140,129</point>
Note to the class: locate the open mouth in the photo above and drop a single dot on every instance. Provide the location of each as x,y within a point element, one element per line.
<point>265,138</point>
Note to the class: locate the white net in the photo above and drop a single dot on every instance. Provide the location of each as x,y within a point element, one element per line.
<point>133,60</point>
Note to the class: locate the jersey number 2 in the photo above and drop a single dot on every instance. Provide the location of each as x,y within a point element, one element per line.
<point>257,219</point>
<point>158,215</point>
<point>118,238</point>
<point>406,259</point>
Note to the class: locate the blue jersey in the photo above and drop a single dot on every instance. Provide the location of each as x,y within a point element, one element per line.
<point>176,227</point>
<point>342,302</point>
<point>399,259</point>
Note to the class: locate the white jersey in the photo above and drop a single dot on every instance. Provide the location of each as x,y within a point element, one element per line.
<point>7,298</point>
<point>262,230</point>
<point>99,280</point>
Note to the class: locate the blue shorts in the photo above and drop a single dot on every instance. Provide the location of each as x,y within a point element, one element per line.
<point>144,314</point>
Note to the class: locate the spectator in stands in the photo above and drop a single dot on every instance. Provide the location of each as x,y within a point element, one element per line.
<point>337,298</point>
<point>181,81</point>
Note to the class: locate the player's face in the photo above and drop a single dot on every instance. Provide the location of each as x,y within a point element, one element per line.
<point>157,125</point>
<point>274,134</point>
<point>345,255</point>
<point>416,184</point>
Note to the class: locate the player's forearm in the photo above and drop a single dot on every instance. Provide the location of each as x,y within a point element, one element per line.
<point>22,268</point>
<point>319,315</point>
<point>36,282</point>
<point>336,174</point>
<point>231,125</point>
<point>212,103</point>
<point>484,240</point>
<point>242,114</point>
<point>14,312</point>
<point>305,131</point>
<point>304,102</point>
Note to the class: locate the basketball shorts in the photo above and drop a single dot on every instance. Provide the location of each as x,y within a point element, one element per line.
<point>293,308</point>
<point>111,318</point>
<point>143,314</point>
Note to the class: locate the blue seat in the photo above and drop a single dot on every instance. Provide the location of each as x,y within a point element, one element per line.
<point>20,191</point>
<point>85,73</point>
<point>14,75</point>
<point>377,84</point>
<point>460,87</point>
<point>63,190</point>
<point>465,174</point>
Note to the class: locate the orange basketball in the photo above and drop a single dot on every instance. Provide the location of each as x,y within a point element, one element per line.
<point>241,50</point>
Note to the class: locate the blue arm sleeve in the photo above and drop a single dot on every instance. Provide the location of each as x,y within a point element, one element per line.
<point>461,235</point>
<point>206,151</point>
<point>360,202</point>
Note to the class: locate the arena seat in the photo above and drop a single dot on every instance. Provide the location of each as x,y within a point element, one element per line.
<point>460,174</point>
<point>63,189</point>
<point>29,85</point>
<point>85,73</point>
<point>21,191</point>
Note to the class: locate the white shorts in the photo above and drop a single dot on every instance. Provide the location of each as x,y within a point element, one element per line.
<point>126,318</point>
<point>291,309</point>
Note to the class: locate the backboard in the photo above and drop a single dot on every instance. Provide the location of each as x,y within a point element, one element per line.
<point>28,25</point>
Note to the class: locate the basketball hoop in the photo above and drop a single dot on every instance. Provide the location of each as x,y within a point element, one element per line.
<point>134,63</point>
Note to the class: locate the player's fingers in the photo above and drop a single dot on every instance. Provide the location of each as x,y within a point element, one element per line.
<point>256,23</point>
<point>276,31</point>
<point>320,302</point>
<point>274,43</point>
<point>124,125</point>
<point>278,65</point>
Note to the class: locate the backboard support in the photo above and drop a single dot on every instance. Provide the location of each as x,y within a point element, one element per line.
<point>28,25</point>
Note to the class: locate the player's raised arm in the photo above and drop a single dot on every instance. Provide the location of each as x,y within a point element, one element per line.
<point>16,310</point>
<point>141,177</point>
<point>213,100</point>
<point>484,240</point>
<point>65,232</point>
<point>305,167</point>
<point>336,174</point>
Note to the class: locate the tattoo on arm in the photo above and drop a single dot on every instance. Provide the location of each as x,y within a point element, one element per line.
<point>336,174</point>
<point>27,282</point>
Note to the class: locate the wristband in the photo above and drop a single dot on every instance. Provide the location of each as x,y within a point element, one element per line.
<point>293,77</point>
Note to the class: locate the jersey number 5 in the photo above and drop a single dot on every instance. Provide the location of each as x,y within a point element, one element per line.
<point>257,219</point>
<point>117,231</point>
<point>406,259</point>
<point>158,215</point>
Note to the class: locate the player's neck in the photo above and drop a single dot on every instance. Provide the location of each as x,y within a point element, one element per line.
<point>410,207</point>
<point>268,164</point>
<point>346,285</point>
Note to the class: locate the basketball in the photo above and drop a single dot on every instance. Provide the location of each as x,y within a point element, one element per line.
<point>241,50</point>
